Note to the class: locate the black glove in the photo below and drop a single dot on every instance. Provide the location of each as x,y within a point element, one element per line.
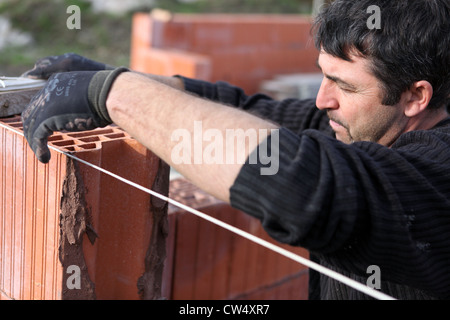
<point>68,62</point>
<point>71,101</point>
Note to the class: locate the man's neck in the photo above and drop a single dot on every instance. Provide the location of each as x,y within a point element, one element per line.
<point>427,119</point>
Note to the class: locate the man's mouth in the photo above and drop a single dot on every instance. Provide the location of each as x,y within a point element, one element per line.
<point>341,130</point>
<point>335,125</point>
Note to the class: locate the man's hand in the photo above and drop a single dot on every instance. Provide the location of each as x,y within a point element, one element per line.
<point>72,101</point>
<point>45,67</point>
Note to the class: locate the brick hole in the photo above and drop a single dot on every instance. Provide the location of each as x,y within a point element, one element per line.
<point>16,124</point>
<point>11,120</point>
<point>63,143</point>
<point>55,138</point>
<point>90,139</point>
<point>88,146</point>
<point>115,135</point>
<point>90,133</point>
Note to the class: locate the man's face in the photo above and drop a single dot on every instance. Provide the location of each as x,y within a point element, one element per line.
<point>352,97</point>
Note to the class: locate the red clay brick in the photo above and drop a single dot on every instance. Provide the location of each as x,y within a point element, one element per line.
<point>208,262</point>
<point>33,263</point>
<point>242,49</point>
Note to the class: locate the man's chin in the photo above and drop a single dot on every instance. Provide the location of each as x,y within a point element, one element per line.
<point>343,137</point>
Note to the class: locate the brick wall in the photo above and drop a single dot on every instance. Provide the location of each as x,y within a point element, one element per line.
<point>205,261</point>
<point>241,49</point>
<point>66,214</point>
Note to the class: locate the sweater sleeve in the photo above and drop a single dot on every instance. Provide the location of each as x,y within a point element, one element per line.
<point>296,115</point>
<point>360,204</point>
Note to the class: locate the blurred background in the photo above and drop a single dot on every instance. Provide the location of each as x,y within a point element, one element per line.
<point>33,29</point>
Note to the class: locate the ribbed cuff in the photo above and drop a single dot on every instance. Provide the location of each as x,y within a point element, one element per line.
<point>98,91</point>
<point>109,67</point>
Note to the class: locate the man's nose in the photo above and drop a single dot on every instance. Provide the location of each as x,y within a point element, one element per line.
<point>326,97</point>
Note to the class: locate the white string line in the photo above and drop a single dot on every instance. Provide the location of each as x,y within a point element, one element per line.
<point>306,262</point>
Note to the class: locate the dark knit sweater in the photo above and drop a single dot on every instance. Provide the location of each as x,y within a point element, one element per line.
<point>354,205</point>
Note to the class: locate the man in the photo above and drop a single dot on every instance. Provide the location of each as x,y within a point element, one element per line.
<point>363,174</point>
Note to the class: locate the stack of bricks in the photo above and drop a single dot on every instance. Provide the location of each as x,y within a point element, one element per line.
<point>65,217</point>
<point>241,49</point>
<point>205,261</point>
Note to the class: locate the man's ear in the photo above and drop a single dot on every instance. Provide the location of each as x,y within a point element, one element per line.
<point>418,97</point>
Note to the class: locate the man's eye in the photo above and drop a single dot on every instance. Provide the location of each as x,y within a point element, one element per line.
<point>347,90</point>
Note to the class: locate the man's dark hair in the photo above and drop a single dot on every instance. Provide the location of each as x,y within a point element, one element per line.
<point>412,44</point>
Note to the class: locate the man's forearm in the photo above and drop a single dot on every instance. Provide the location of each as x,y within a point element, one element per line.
<point>152,112</point>
<point>173,82</point>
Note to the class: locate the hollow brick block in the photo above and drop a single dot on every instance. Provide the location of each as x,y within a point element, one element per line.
<point>241,49</point>
<point>205,261</point>
<point>66,213</point>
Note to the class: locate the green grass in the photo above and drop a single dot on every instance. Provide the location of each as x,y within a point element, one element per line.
<point>102,37</point>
